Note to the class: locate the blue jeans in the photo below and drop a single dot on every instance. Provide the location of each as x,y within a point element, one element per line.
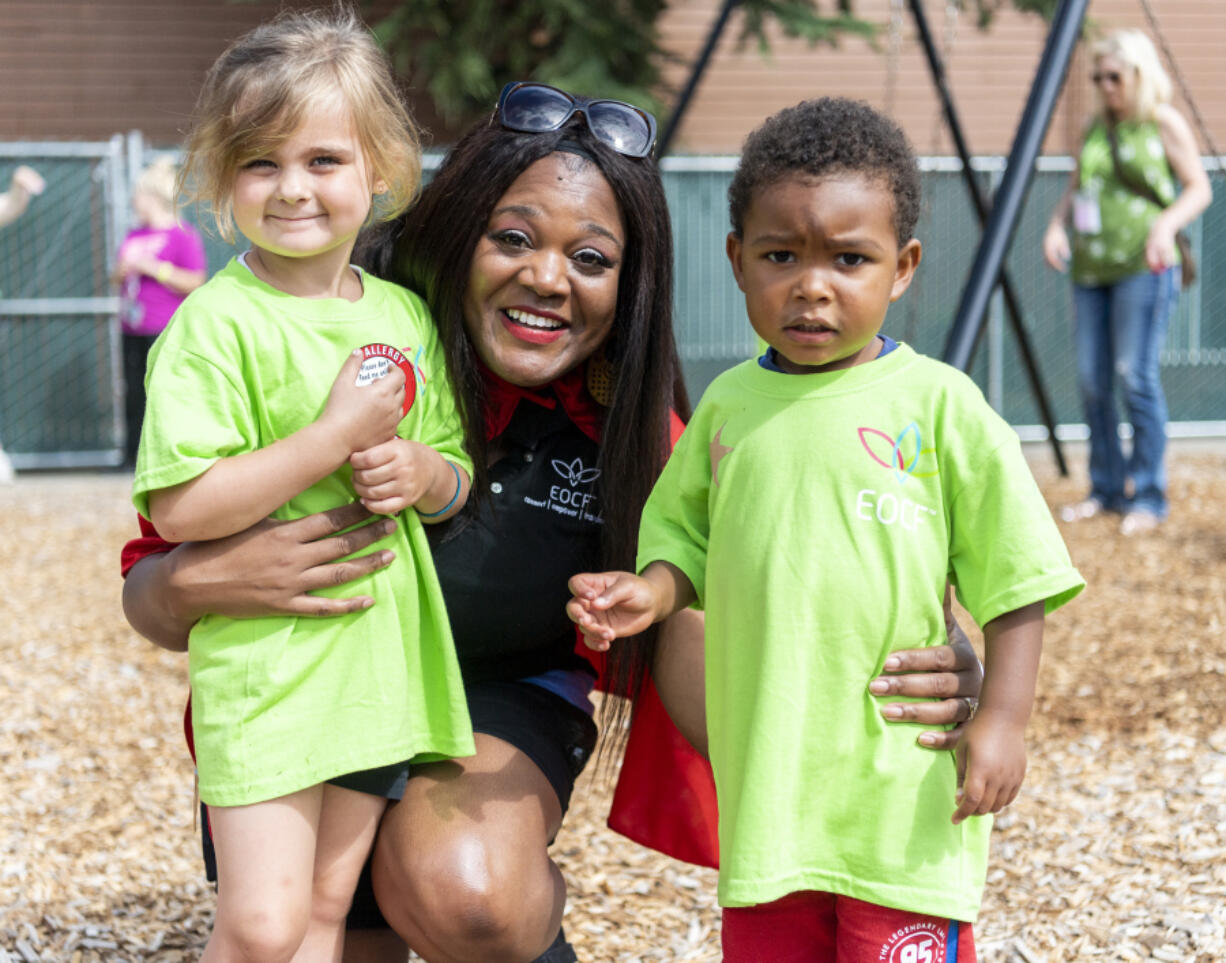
<point>1120,330</point>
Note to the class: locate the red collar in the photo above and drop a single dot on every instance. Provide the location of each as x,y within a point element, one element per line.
<point>502,398</point>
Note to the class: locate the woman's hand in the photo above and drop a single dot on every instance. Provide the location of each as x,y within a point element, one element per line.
<point>1160,245</point>
<point>949,674</point>
<point>270,568</point>
<point>1056,250</point>
<point>28,180</point>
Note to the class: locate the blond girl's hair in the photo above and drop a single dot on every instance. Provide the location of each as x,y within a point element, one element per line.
<point>259,90</point>
<point>159,180</point>
<point>1152,86</point>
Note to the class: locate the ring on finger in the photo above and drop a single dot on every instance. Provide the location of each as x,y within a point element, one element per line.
<point>972,706</point>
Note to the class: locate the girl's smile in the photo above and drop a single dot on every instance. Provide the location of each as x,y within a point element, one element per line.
<point>302,204</point>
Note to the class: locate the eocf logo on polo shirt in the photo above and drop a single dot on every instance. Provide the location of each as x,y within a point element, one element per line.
<point>569,496</point>
<point>574,497</point>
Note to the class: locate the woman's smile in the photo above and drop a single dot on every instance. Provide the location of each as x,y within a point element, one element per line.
<point>535,327</point>
<point>542,290</point>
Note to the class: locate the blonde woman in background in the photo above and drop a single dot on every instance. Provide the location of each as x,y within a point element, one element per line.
<point>1138,182</point>
<point>160,262</point>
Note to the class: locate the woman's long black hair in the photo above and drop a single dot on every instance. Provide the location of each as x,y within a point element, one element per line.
<point>430,250</point>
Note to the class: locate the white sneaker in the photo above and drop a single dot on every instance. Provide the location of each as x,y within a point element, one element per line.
<point>7,475</point>
<point>1080,511</point>
<point>1139,523</point>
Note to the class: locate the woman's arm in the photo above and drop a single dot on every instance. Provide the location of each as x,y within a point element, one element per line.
<point>268,569</point>
<point>1195,193</point>
<point>1056,249</point>
<point>948,675</point>
<point>26,183</point>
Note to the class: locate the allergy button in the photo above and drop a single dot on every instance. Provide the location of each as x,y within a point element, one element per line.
<point>377,361</point>
<point>496,488</point>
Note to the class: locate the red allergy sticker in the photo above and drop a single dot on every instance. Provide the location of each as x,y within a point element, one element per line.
<point>377,361</point>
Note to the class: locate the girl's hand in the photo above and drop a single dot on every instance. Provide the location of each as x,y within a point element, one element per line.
<point>991,766</point>
<point>363,417</point>
<point>611,605</point>
<point>1160,245</point>
<point>394,475</point>
<point>1056,250</point>
<point>950,675</point>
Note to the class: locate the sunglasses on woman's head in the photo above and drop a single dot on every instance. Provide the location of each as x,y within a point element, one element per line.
<point>1101,77</point>
<point>537,108</point>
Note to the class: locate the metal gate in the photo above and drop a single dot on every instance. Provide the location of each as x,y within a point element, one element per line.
<point>61,385</point>
<point>59,372</point>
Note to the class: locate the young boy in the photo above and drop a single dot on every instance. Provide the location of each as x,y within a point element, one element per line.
<point>816,505</point>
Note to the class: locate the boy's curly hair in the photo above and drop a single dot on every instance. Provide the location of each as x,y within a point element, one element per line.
<point>818,138</point>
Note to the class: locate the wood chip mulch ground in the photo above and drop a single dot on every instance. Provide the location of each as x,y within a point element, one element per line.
<point>1116,850</point>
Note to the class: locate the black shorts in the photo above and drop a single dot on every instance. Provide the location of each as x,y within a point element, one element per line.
<point>557,736</point>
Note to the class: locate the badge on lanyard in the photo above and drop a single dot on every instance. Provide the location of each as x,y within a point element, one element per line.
<point>377,361</point>
<point>1087,217</point>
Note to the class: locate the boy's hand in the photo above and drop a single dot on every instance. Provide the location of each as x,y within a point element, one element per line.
<point>611,605</point>
<point>363,417</point>
<point>394,475</point>
<point>991,766</point>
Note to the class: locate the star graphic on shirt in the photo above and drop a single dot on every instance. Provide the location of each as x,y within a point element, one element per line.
<point>718,451</point>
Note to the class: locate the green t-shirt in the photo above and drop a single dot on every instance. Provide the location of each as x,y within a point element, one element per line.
<point>282,703</point>
<point>818,517</point>
<point>1115,248</point>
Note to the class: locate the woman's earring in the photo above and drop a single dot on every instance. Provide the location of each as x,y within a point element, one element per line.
<point>600,378</point>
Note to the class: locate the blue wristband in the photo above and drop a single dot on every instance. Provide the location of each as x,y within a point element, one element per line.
<point>454,498</point>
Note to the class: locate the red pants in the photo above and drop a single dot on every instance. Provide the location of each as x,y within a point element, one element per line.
<point>812,927</point>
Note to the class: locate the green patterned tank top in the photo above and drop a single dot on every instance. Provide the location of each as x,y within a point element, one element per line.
<point>1116,249</point>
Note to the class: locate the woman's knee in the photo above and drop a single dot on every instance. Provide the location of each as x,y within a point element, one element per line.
<point>471,900</point>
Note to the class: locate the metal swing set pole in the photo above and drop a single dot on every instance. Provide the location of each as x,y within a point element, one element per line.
<point>1000,221</point>
<point>691,85</point>
<point>1029,361</point>
<point>1007,204</point>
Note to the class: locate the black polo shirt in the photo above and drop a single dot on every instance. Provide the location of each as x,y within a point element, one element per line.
<point>504,568</point>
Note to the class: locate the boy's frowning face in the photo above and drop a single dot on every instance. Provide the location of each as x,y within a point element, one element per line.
<point>819,263</point>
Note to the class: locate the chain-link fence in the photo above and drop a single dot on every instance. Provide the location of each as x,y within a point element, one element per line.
<point>714,332</point>
<point>60,381</point>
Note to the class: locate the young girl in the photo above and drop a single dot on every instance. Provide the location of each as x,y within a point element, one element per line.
<point>302,727</point>
<point>160,262</point>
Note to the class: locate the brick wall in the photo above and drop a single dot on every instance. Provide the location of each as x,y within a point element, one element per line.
<point>86,69</point>
<point>990,73</point>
